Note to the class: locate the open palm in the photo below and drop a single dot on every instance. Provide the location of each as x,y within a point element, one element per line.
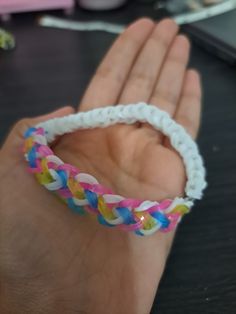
<point>78,261</point>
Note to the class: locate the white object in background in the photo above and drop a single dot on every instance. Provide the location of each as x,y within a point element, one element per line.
<point>100,4</point>
<point>50,21</point>
<point>204,13</point>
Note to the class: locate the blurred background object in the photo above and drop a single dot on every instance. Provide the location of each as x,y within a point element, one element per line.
<point>51,21</point>
<point>100,4</point>
<point>14,6</point>
<point>7,40</point>
<point>146,1</point>
<point>178,6</point>
<point>211,2</point>
<point>183,6</point>
<point>217,35</point>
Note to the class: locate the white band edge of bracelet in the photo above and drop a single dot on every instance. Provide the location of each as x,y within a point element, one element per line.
<point>129,114</point>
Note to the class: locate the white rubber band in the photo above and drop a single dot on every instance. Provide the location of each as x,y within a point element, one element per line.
<point>142,112</point>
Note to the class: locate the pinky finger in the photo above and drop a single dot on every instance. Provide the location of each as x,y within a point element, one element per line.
<point>188,112</point>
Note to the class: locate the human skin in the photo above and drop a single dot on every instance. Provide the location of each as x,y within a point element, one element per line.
<point>52,261</point>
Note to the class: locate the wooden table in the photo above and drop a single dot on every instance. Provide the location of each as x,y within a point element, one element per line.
<point>51,68</point>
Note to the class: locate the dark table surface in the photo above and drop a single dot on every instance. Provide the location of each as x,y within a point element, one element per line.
<point>50,68</point>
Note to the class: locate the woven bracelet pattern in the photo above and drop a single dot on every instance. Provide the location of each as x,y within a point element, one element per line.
<point>83,193</point>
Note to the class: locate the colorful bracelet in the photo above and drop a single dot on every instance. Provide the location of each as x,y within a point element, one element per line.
<point>83,193</point>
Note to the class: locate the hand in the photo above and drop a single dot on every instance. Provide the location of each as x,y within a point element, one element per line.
<point>52,261</point>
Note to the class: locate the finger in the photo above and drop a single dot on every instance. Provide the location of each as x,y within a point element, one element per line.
<point>168,88</point>
<point>189,110</point>
<point>111,75</point>
<point>15,137</point>
<point>142,78</point>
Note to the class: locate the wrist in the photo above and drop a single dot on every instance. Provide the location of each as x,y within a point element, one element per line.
<point>123,283</point>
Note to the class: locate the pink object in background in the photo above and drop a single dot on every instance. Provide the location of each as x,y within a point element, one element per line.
<point>15,6</point>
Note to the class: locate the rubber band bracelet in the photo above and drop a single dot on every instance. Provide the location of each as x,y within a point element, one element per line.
<point>83,193</point>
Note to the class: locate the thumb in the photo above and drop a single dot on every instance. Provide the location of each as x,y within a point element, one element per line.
<point>15,137</point>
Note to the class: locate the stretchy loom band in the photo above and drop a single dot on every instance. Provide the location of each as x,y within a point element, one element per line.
<point>83,193</point>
